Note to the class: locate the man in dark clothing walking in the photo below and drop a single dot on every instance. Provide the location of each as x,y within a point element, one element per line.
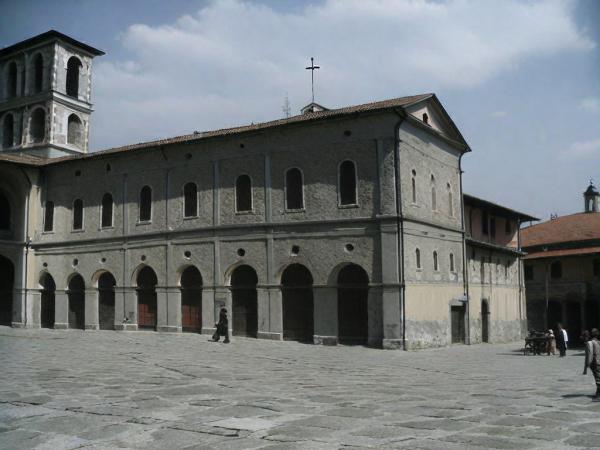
<point>222,328</point>
<point>561,345</point>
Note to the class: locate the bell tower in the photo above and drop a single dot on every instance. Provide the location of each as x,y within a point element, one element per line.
<point>590,197</point>
<point>45,95</point>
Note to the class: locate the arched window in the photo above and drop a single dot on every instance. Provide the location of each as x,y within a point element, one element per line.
<point>190,200</point>
<point>37,127</point>
<point>73,67</point>
<point>347,180</point>
<point>4,213</point>
<point>243,193</point>
<point>451,262</point>
<point>414,186</point>
<point>435,261</point>
<point>146,204</point>
<point>8,136</point>
<point>418,258</point>
<point>107,210</point>
<point>38,73</point>
<point>556,269</point>
<point>11,80</point>
<point>74,132</point>
<point>450,205</point>
<point>49,216</point>
<point>78,214</point>
<point>294,195</point>
<point>433,194</point>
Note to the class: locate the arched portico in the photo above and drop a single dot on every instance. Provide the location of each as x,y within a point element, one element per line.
<point>191,299</point>
<point>297,303</point>
<point>353,299</point>
<point>146,281</point>
<point>76,297</point>
<point>47,300</point>
<point>244,314</point>
<point>7,278</point>
<point>106,301</point>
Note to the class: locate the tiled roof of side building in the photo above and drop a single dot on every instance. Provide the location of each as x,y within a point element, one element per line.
<point>479,202</point>
<point>194,137</point>
<point>572,228</point>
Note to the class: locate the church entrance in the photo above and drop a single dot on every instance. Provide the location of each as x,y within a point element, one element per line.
<point>297,303</point>
<point>7,278</point>
<point>47,301</point>
<point>244,301</point>
<point>146,293</point>
<point>485,318</point>
<point>353,293</point>
<point>191,300</point>
<point>457,324</point>
<point>76,296</point>
<point>106,301</point>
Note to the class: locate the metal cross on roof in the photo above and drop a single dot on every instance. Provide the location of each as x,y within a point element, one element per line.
<point>312,69</point>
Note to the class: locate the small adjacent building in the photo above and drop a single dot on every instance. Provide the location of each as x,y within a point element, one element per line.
<point>562,269</point>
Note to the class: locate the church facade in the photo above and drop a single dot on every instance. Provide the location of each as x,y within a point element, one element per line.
<point>333,226</point>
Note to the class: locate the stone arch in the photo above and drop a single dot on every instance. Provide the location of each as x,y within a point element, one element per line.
<point>297,303</point>
<point>72,81</point>
<point>76,298</point>
<point>7,280</point>
<point>37,125</point>
<point>105,283</point>
<point>8,131</point>
<point>37,72</point>
<point>353,298</point>
<point>244,299</point>
<point>47,299</point>
<point>190,282</point>
<point>146,281</point>
<point>75,131</point>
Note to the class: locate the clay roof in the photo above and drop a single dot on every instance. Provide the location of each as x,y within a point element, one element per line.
<point>496,208</point>
<point>572,228</point>
<point>563,252</point>
<point>47,36</point>
<point>313,116</point>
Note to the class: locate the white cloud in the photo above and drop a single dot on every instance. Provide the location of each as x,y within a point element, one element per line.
<point>498,114</point>
<point>232,62</point>
<point>582,150</point>
<point>591,104</point>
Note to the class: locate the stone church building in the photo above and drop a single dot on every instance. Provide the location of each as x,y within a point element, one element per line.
<point>333,226</point>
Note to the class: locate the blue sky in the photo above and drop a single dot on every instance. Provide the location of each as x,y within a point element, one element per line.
<point>521,79</point>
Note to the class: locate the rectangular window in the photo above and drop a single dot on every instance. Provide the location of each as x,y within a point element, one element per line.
<point>49,216</point>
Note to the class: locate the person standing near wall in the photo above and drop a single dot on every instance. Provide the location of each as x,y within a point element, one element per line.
<point>593,361</point>
<point>561,345</point>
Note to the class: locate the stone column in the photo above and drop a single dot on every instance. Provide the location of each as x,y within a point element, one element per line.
<point>270,321</point>
<point>91,309</point>
<point>34,308</point>
<point>61,310</point>
<point>325,315</point>
<point>392,328</point>
<point>375,317</point>
<point>162,309</point>
<point>208,311</point>
<point>19,315</point>
<point>125,309</point>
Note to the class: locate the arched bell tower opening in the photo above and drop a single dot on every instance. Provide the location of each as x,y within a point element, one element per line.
<point>590,197</point>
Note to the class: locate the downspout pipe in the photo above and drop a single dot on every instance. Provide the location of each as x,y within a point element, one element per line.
<point>27,245</point>
<point>400,226</point>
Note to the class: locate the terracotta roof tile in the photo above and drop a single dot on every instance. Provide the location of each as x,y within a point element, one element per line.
<point>563,252</point>
<point>571,228</point>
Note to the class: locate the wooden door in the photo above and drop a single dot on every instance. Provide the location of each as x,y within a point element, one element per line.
<point>298,314</point>
<point>457,315</point>
<point>77,310</point>
<point>191,309</point>
<point>353,315</point>
<point>106,309</point>
<point>245,315</point>
<point>146,309</point>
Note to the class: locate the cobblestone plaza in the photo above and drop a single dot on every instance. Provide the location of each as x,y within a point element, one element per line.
<point>99,390</point>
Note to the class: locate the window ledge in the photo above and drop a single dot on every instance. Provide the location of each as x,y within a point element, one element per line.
<point>78,231</point>
<point>294,211</point>
<point>48,232</point>
<point>143,222</point>
<point>191,217</point>
<point>353,205</point>
<point>244,213</point>
<point>112,227</point>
